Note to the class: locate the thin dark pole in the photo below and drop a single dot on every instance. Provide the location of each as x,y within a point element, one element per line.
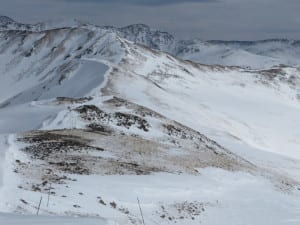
<point>38,210</point>
<point>141,210</point>
<point>49,192</point>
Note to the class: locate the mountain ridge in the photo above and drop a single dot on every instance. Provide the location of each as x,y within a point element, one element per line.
<point>6,19</point>
<point>261,54</point>
<point>89,120</point>
<point>137,28</point>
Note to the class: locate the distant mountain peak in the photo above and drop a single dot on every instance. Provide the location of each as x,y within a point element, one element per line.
<point>143,34</point>
<point>137,27</point>
<point>6,19</point>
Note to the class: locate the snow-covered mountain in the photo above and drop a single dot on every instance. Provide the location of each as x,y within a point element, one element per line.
<point>5,20</point>
<point>92,118</point>
<point>142,34</point>
<point>254,54</point>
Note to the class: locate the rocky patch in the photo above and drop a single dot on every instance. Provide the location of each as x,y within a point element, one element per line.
<point>97,116</point>
<point>182,211</point>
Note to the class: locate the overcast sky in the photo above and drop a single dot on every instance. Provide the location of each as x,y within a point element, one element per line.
<point>206,19</point>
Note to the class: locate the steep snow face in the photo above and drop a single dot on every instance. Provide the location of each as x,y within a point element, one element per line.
<point>53,63</point>
<point>35,66</point>
<point>231,102</point>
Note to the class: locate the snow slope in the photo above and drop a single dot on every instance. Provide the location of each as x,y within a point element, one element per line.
<point>232,102</point>
<point>254,54</point>
<point>14,219</point>
<point>38,65</point>
<point>93,121</point>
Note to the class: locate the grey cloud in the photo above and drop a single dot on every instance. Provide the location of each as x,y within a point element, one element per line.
<point>144,2</point>
<point>227,19</point>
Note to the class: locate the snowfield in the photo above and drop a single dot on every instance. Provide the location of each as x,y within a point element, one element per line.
<point>108,131</point>
<point>13,219</point>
